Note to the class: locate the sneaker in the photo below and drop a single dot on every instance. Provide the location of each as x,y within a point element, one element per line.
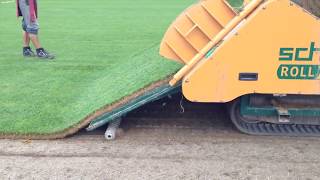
<point>43,54</point>
<point>27,52</point>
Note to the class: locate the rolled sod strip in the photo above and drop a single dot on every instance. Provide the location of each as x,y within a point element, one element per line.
<point>107,53</point>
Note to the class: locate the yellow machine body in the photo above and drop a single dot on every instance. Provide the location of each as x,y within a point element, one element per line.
<point>195,28</point>
<point>271,47</point>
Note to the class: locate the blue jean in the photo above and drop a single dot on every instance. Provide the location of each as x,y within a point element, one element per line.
<point>27,25</point>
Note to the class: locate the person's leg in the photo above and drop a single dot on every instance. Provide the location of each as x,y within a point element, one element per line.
<point>30,31</point>
<point>26,50</point>
<point>26,39</point>
<point>31,28</point>
<point>35,40</point>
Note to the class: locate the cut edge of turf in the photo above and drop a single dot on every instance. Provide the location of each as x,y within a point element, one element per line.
<point>85,121</point>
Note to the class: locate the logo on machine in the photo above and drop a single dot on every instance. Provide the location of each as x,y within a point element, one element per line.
<point>301,70</point>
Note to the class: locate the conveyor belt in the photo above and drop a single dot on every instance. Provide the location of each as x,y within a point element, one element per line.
<point>137,102</point>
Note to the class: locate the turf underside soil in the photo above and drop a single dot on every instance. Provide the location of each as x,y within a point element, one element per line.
<point>106,50</point>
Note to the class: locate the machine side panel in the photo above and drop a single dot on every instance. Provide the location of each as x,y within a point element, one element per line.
<point>194,29</point>
<point>279,43</point>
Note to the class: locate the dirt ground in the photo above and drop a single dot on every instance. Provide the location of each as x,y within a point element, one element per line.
<point>158,142</point>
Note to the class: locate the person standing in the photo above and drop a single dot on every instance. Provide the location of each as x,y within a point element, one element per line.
<point>29,11</point>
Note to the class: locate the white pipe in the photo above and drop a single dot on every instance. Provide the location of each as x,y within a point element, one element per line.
<point>110,133</point>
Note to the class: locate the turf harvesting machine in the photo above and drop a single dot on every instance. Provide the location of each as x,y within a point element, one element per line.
<point>262,61</point>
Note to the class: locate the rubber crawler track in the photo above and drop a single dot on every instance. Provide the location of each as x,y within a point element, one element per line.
<point>271,129</point>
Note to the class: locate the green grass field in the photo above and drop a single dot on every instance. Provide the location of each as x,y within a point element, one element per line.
<point>105,50</point>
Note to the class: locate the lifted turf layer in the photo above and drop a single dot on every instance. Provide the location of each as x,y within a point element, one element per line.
<point>84,122</point>
<point>107,52</point>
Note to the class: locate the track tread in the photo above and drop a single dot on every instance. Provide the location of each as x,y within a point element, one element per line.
<point>266,128</point>
<point>263,128</point>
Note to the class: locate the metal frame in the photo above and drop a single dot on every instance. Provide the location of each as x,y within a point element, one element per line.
<point>246,109</point>
<point>121,111</point>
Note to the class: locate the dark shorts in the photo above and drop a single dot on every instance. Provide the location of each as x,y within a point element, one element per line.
<point>27,25</point>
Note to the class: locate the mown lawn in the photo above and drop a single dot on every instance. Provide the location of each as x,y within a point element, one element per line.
<point>106,49</point>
